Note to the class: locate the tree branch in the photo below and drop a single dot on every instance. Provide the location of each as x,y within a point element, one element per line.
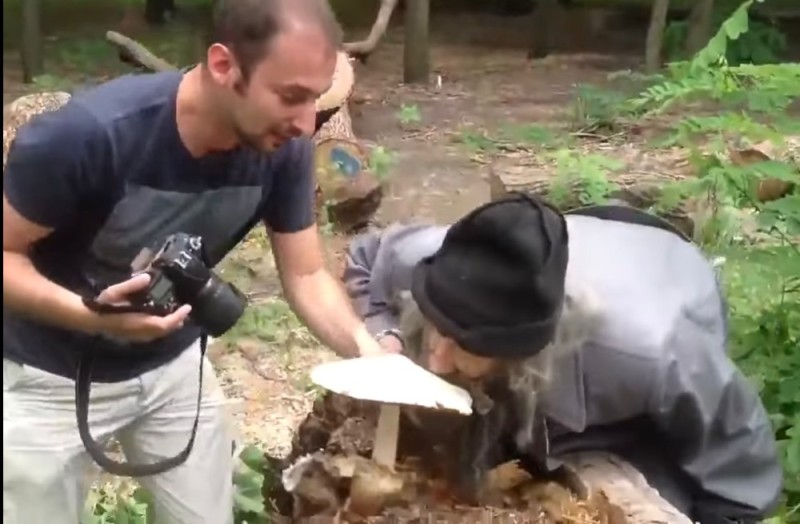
<point>132,51</point>
<point>363,48</point>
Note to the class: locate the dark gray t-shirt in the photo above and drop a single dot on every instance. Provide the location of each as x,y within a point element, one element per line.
<point>109,173</point>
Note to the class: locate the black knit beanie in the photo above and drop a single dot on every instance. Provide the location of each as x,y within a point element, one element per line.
<point>496,285</point>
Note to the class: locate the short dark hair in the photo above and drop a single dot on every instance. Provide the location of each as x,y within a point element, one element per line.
<point>248,27</point>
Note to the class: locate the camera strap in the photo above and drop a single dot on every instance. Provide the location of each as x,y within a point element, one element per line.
<point>83,382</point>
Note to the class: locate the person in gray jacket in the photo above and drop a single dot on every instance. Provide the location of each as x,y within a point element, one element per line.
<point>607,326</point>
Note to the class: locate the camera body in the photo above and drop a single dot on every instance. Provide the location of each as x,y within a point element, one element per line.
<point>179,274</point>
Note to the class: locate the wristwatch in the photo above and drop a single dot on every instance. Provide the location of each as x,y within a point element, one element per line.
<point>390,333</point>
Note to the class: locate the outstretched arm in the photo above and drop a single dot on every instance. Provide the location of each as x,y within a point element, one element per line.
<point>314,294</point>
<point>360,282</point>
<point>378,272</point>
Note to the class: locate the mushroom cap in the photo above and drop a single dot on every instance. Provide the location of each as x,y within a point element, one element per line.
<point>391,379</point>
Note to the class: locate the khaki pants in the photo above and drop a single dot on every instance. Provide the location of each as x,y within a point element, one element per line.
<point>47,472</point>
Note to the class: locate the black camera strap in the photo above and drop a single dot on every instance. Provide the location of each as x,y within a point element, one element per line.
<point>83,382</point>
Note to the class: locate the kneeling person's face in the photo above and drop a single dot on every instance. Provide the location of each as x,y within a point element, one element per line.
<point>445,357</point>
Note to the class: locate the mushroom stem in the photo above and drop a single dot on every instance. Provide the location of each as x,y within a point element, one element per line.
<point>384,451</point>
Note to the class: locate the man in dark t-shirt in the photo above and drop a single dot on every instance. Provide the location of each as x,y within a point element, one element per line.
<point>209,152</point>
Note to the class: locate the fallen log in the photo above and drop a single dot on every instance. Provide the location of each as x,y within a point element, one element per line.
<point>643,190</point>
<point>363,48</point>
<point>331,476</point>
<point>131,51</point>
<point>638,190</point>
<point>20,111</point>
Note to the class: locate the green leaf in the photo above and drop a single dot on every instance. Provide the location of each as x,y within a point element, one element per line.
<point>254,458</point>
<point>244,503</point>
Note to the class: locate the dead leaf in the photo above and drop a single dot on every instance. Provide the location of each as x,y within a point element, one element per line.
<point>373,488</point>
<point>553,499</point>
<point>767,189</point>
<point>743,157</point>
<point>506,477</point>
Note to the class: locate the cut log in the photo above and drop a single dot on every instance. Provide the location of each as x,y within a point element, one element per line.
<point>630,498</point>
<point>348,191</point>
<point>331,454</point>
<point>23,109</point>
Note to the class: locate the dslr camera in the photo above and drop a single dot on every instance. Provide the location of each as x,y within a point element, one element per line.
<point>179,274</point>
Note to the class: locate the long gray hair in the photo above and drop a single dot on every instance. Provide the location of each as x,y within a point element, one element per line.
<point>524,378</point>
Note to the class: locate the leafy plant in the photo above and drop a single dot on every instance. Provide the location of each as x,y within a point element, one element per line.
<point>582,176</point>
<point>764,298</point>
<point>248,481</point>
<point>251,473</point>
<point>115,506</point>
<point>380,161</point>
<point>763,43</point>
<point>477,140</point>
<point>596,109</point>
<point>409,114</point>
<point>762,277</point>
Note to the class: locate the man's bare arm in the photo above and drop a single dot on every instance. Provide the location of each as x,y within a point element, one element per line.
<point>315,295</point>
<point>27,291</point>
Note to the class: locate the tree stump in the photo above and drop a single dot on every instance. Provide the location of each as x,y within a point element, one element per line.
<point>329,466</point>
<point>348,191</point>
<point>23,109</point>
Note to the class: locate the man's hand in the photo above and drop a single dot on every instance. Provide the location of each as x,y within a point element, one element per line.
<point>390,344</point>
<point>369,347</point>
<point>136,327</point>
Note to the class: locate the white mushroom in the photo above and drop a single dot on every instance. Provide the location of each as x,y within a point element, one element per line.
<point>391,380</point>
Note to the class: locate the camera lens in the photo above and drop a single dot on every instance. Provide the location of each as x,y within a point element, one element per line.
<point>218,306</point>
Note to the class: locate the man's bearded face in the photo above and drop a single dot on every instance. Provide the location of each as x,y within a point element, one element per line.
<point>446,357</point>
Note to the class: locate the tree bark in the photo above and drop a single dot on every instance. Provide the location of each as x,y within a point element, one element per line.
<point>156,12</point>
<point>134,52</point>
<point>699,26</point>
<point>543,26</point>
<point>655,36</point>
<point>32,58</point>
<point>416,49</point>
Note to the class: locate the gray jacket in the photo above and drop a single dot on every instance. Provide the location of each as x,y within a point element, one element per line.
<point>654,383</point>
